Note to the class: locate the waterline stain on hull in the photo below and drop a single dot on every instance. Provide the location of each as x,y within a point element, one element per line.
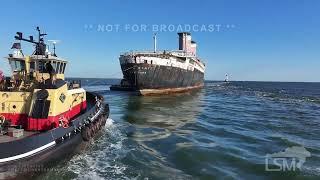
<point>146,92</point>
<point>162,91</point>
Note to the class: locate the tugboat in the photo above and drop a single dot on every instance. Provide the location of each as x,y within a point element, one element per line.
<point>42,116</point>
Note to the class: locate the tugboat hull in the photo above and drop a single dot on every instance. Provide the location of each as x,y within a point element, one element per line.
<point>39,149</point>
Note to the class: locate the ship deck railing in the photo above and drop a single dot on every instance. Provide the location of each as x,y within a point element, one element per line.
<point>180,54</point>
<point>177,53</point>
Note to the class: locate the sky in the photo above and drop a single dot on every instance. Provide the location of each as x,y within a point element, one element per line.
<point>251,40</point>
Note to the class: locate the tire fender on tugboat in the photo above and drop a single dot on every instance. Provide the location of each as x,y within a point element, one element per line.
<point>86,134</point>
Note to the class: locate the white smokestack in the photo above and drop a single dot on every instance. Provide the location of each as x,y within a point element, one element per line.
<point>155,42</point>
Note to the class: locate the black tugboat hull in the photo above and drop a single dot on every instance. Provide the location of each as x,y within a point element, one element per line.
<point>40,162</point>
<point>35,152</point>
<point>156,79</point>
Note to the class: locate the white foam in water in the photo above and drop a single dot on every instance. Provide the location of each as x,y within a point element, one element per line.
<point>100,160</point>
<point>311,170</point>
<point>109,122</point>
<point>214,84</point>
<point>91,175</point>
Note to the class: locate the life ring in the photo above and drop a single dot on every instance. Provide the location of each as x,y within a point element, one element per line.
<point>2,119</point>
<point>65,122</point>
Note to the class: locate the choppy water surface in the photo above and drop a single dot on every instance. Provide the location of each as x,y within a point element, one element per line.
<point>223,131</point>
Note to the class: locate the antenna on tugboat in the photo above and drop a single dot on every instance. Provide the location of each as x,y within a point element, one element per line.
<point>54,42</point>
<point>40,34</point>
<point>20,37</point>
<point>40,45</point>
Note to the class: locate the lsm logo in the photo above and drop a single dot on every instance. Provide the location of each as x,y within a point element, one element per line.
<point>290,159</point>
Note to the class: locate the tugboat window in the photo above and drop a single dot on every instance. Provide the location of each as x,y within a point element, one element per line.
<point>61,68</point>
<point>54,65</point>
<point>32,65</point>
<point>17,65</point>
<point>57,69</point>
<point>41,67</point>
<point>64,67</point>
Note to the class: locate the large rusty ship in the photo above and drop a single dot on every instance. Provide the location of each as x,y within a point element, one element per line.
<point>159,72</point>
<point>42,116</point>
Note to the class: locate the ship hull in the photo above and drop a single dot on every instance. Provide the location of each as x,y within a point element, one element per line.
<point>158,79</point>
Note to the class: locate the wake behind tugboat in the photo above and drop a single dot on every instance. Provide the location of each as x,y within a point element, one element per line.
<point>43,117</point>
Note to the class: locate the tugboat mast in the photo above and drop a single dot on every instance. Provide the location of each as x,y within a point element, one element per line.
<point>40,45</point>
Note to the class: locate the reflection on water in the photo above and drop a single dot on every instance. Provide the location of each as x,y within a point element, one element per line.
<point>168,112</point>
<point>157,120</point>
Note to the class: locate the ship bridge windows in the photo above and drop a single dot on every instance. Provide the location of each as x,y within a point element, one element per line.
<point>59,67</point>
<point>63,67</point>
<point>17,65</point>
<point>41,67</point>
<point>32,65</point>
<point>54,65</point>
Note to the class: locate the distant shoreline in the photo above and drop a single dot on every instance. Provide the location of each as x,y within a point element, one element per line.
<point>209,80</point>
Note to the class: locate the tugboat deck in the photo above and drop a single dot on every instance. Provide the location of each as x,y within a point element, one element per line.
<point>7,138</point>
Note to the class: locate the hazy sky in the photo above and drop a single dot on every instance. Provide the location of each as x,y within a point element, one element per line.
<point>266,40</point>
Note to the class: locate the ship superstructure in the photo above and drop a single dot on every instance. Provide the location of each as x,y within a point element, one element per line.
<point>163,71</point>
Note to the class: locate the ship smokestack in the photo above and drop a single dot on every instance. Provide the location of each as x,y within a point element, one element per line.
<point>155,42</point>
<point>184,41</point>
<point>194,48</point>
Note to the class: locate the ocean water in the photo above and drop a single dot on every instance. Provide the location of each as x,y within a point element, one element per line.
<point>223,131</point>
